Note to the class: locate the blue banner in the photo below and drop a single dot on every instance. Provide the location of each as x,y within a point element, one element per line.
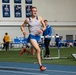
<point>5,1</point>
<point>6,10</point>
<point>17,11</point>
<point>17,1</point>
<point>28,8</point>
<point>28,1</point>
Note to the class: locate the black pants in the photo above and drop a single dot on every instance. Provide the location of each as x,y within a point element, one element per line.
<point>4,45</point>
<point>47,43</point>
<point>7,46</point>
<point>56,43</point>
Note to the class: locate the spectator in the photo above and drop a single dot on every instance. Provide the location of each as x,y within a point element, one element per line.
<point>57,39</point>
<point>3,43</point>
<point>7,41</point>
<point>47,39</point>
<point>75,43</point>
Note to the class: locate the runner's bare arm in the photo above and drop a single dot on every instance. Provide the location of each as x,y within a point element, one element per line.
<point>43,24</point>
<point>23,25</point>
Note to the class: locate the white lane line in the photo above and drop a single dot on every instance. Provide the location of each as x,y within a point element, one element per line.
<point>32,69</point>
<point>22,72</point>
<point>62,71</point>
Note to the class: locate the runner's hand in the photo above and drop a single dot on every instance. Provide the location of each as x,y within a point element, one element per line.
<point>40,31</point>
<point>24,33</point>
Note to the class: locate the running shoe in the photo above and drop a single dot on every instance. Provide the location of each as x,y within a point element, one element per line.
<point>22,51</point>
<point>42,68</point>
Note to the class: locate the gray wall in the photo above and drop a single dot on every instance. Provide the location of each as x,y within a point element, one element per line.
<point>12,31</point>
<point>61,14</point>
<point>56,10</point>
<point>53,10</point>
<point>15,31</point>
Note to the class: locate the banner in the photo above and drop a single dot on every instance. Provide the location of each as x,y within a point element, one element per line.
<point>28,8</point>
<point>17,1</point>
<point>5,1</point>
<point>6,10</point>
<point>28,1</point>
<point>17,11</point>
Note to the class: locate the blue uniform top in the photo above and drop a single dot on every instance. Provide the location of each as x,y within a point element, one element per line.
<point>57,39</point>
<point>48,32</point>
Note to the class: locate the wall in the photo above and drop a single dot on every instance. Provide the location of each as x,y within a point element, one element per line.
<point>61,14</point>
<point>12,18</point>
<point>12,31</point>
<point>53,10</point>
<point>15,31</point>
<point>63,31</point>
<point>56,10</point>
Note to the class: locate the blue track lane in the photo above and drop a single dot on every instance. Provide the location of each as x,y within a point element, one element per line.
<point>14,68</point>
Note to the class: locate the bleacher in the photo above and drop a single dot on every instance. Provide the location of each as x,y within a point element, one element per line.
<point>68,43</point>
<point>19,41</point>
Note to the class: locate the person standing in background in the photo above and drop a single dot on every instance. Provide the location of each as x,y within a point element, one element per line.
<point>7,41</point>
<point>47,39</point>
<point>3,43</point>
<point>57,39</point>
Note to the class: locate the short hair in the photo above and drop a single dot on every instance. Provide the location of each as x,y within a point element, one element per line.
<point>57,34</point>
<point>6,33</point>
<point>33,8</point>
<point>45,21</point>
